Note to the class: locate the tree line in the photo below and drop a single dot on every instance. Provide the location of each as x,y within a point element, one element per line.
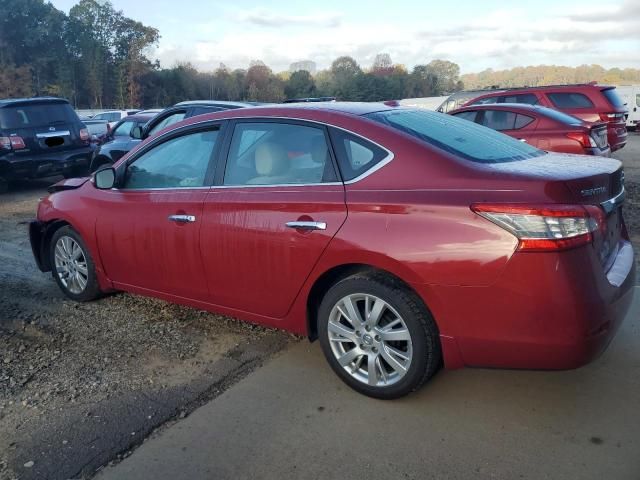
<point>97,57</point>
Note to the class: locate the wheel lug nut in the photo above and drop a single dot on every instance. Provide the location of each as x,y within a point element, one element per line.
<point>358,333</point>
<point>367,328</point>
<point>362,346</point>
<point>375,350</point>
<point>377,337</point>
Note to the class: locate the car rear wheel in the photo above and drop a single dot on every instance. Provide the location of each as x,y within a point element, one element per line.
<point>378,336</point>
<point>72,265</point>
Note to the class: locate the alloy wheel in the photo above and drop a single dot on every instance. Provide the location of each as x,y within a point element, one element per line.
<point>369,339</point>
<point>71,265</point>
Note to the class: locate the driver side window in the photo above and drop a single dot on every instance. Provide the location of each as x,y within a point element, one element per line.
<point>181,162</point>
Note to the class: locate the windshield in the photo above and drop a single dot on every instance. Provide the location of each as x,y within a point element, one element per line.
<point>37,115</point>
<point>454,135</point>
<point>613,97</point>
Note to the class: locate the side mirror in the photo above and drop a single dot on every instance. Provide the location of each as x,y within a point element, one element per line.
<point>136,132</point>
<point>105,178</point>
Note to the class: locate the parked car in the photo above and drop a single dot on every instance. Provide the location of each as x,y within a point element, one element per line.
<point>458,99</point>
<point>98,129</point>
<point>310,99</point>
<point>119,140</point>
<point>541,127</point>
<point>106,156</point>
<point>114,116</point>
<point>461,245</point>
<point>590,102</point>
<point>630,95</point>
<point>41,137</point>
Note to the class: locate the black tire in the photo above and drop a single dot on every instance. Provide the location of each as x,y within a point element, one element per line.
<point>91,290</point>
<point>426,358</point>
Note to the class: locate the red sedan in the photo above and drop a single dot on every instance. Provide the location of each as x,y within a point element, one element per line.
<point>541,127</point>
<point>401,239</point>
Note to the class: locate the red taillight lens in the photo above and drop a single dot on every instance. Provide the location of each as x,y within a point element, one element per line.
<point>583,139</point>
<point>84,135</point>
<point>14,142</point>
<point>611,117</point>
<point>542,227</point>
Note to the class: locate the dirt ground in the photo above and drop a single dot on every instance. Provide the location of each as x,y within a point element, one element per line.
<point>82,384</point>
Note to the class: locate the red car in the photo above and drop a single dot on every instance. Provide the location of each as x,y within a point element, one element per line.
<point>541,127</point>
<point>402,239</point>
<point>589,102</point>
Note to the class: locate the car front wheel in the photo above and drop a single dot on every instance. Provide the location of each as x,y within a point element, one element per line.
<point>72,265</point>
<point>378,336</point>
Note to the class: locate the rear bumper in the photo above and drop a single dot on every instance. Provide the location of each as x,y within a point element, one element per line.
<point>16,166</point>
<point>601,152</point>
<point>617,135</point>
<point>548,311</point>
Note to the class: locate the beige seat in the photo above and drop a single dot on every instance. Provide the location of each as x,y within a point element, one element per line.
<point>272,165</point>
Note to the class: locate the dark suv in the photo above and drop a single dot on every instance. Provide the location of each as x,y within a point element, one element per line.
<point>110,152</point>
<point>41,137</point>
<point>589,102</point>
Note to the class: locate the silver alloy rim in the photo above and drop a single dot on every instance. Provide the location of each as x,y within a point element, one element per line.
<point>370,340</point>
<point>71,265</point>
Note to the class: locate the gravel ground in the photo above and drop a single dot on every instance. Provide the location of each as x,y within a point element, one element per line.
<point>83,384</point>
<point>139,361</point>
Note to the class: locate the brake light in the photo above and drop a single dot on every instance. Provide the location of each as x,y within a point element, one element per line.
<point>542,227</point>
<point>14,142</point>
<point>84,135</point>
<point>583,139</point>
<point>611,117</point>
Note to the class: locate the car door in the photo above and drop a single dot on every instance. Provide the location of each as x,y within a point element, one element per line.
<point>510,123</point>
<point>275,207</point>
<point>148,228</point>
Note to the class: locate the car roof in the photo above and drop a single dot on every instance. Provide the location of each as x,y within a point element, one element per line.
<point>25,101</point>
<point>354,108</point>
<point>143,117</point>
<point>189,103</point>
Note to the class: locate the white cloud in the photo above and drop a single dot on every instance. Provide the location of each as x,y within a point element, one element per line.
<point>501,38</point>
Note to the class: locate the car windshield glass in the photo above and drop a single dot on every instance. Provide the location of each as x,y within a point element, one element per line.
<point>459,137</point>
<point>36,115</point>
<point>613,97</point>
<point>558,116</point>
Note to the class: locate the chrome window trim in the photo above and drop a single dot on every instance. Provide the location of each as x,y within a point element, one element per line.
<point>59,133</point>
<point>385,161</point>
<point>609,205</point>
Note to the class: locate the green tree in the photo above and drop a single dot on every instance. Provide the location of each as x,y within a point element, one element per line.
<point>300,84</point>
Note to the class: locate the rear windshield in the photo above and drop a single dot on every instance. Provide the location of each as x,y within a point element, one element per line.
<point>37,115</point>
<point>613,97</point>
<point>459,137</point>
<point>558,116</point>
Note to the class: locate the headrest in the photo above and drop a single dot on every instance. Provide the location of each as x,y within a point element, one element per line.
<point>271,159</point>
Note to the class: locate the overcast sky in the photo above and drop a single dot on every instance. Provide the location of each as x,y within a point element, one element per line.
<point>474,34</point>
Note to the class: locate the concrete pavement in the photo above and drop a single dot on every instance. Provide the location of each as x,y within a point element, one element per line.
<point>293,418</point>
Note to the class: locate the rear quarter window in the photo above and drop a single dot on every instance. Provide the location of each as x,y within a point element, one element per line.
<point>355,155</point>
<point>570,100</point>
<point>459,137</point>
<point>612,96</point>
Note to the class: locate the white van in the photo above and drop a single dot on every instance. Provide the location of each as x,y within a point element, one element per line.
<point>630,95</point>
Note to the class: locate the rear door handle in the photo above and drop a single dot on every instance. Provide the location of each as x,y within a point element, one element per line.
<point>301,225</point>
<point>182,218</point>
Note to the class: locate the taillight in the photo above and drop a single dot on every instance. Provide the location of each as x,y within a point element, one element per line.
<point>14,142</point>
<point>611,117</point>
<point>583,139</point>
<point>84,135</point>
<point>542,227</point>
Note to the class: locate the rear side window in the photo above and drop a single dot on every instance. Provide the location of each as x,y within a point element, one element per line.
<point>560,116</point>
<point>499,119</point>
<point>613,97</point>
<point>470,116</point>
<point>37,115</point>
<point>124,129</point>
<point>528,98</point>
<point>570,100</point>
<point>458,137</point>
<point>355,155</point>
<point>522,121</point>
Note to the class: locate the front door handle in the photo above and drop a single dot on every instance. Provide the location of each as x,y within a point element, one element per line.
<point>301,225</point>
<point>182,218</point>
